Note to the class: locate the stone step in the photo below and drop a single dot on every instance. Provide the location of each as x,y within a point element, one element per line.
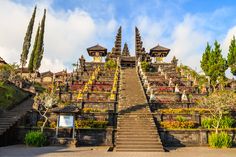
<point>141,121</point>
<point>142,146</point>
<point>155,142</point>
<point>127,123</point>
<point>139,130</point>
<point>131,136</point>
<point>137,139</point>
<point>139,150</point>
<point>135,128</point>
<point>5,126</point>
<point>2,122</point>
<point>141,116</point>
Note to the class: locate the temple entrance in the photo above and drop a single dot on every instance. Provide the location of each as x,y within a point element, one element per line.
<point>127,61</point>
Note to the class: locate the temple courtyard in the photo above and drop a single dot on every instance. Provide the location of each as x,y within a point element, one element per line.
<point>60,151</point>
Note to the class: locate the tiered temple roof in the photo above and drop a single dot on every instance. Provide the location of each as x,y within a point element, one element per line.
<point>159,51</point>
<point>97,50</point>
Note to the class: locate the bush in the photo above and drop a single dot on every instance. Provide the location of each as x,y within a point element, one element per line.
<point>181,119</point>
<point>221,140</point>
<point>10,95</point>
<point>110,64</point>
<point>226,122</point>
<point>53,124</point>
<point>207,123</point>
<point>35,138</point>
<point>178,124</point>
<point>145,66</point>
<point>40,123</point>
<point>38,87</point>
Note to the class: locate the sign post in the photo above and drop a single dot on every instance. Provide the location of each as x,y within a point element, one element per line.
<point>66,121</point>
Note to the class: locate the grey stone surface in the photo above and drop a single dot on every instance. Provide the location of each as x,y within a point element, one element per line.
<point>23,151</point>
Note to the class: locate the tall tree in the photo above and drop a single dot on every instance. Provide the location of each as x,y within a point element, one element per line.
<point>40,45</point>
<point>31,61</point>
<point>205,59</point>
<point>217,64</point>
<point>27,40</point>
<point>231,58</point>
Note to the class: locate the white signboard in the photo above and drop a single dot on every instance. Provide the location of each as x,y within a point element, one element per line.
<point>66,121</point>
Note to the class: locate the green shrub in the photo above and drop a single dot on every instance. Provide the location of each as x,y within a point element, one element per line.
<point>145,66</point>
<point>110,64</point>
<point>181,119</point>
<point>207,123</point>
<point>35,138</point>
<point>221,140</point>
<point>38,87</point>
<point>226,122</point>
<point>10,96</point>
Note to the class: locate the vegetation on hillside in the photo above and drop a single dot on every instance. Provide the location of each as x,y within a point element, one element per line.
<point>10,95</point>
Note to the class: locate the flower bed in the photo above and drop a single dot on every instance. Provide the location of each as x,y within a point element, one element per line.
<point>178,124</point>
<point>184,111</point>
<point>90,124</point>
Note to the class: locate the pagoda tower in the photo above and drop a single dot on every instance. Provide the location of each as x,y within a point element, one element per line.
<point>139,49</point>
<point>159,52</point>
<point>116,50</point>
<point>97,52</point>
<point>125,51</point>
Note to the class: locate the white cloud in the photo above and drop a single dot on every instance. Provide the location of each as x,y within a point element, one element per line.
<point>52,65</point>
<point>189,40</point>
<point>226,41</point>
<point>67,33</point>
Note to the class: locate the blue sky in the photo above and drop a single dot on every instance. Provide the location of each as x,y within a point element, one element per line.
<point>185,26</point>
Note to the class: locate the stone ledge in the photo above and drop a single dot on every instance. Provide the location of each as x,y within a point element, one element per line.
<point>69,142</point>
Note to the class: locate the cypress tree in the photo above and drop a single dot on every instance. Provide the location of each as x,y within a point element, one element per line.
<point>31,61</point>
<point>205,59</point>
<point>38,55</point>
<point>27,40</point>
<point>231,58</point>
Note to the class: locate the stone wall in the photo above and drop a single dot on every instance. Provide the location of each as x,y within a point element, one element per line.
<point>195,137</point>
<point>85,137</point>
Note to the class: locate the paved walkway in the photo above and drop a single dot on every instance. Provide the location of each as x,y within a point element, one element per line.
<point>53,151</point>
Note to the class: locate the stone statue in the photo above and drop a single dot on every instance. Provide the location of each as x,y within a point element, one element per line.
<point>166,76</point>
<point>176,88</point>
<point>159,69</point>
<point>152,96</point>
<point>170,82</point>
<point>184,97</point>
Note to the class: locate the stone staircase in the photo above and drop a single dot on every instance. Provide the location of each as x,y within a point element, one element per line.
<point>10,118</point>
<point>136,130</point>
